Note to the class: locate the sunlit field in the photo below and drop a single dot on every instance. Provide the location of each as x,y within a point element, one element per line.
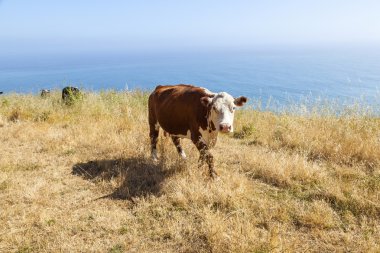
<point>78,177</point>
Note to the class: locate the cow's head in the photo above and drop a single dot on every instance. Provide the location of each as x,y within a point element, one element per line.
<point>221,110</point>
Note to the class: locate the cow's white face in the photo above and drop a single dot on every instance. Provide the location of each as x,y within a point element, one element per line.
<point>222,109</point>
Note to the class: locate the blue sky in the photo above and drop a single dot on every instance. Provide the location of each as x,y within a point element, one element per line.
<point>115,25</point>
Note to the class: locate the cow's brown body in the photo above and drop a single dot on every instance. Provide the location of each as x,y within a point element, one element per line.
<point>179,111</point>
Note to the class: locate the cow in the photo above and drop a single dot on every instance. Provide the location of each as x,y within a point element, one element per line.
<point>44,93</point>
<point>1,92</point>
<point>70,93</point>
<point>195,113</point>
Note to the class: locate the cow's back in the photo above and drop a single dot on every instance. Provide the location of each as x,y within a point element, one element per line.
<point>178,108</point>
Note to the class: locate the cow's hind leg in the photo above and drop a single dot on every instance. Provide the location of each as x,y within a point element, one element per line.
<point>177,144</point>
<point>205,155</point>
<point>154,131</point>
<point>153,134</point>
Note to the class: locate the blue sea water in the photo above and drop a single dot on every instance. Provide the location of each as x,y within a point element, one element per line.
<point>282,76</point>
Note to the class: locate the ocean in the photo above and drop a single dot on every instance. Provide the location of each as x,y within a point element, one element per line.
<point>279,76</point>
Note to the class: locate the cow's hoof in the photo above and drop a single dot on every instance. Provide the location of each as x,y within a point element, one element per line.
<point>155,159</point>
<point>214,176</point>
<point>183,155</point>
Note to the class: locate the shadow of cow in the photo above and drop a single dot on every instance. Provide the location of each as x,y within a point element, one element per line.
<point>140,177</point>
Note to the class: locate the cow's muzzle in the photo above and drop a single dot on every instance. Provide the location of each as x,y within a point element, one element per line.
<point>225,128</point>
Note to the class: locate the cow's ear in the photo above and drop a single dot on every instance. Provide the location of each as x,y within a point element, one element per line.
<point>206,101</point>
<point>240,101</point>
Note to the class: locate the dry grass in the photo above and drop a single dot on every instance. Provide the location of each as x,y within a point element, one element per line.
<point>79,179</point>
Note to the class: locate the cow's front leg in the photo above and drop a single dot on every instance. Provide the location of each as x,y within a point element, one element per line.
<point>205,155</point>
<point>177,144</point>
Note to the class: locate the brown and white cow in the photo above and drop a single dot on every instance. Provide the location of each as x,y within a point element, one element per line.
<point>186,111</point>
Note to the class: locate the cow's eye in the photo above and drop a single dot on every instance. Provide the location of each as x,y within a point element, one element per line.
<point>234,108</point>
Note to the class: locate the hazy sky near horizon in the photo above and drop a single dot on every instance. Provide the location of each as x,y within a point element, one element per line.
<point>117,25</point>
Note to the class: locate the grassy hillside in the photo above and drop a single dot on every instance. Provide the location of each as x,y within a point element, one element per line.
<point>78,178</point>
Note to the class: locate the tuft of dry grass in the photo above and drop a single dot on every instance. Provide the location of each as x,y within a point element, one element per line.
<point>78,178</point>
